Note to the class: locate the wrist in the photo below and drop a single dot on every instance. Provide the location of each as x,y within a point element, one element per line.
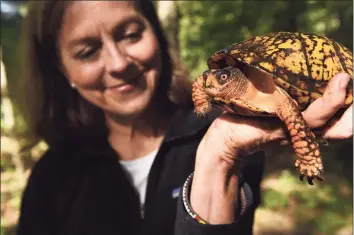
<point>214,194</point>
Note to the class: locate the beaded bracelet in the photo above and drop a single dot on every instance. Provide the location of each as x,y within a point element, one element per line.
<point>185,195</point>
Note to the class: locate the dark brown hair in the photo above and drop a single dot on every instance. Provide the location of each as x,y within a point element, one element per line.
<point>53,110</point>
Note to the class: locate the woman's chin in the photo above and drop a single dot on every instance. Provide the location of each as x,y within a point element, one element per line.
<point>131,108</point>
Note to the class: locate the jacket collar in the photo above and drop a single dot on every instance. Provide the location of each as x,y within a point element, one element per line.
<point>186,123</point>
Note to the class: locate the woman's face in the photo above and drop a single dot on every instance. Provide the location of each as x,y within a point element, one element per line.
<point>110,53</point>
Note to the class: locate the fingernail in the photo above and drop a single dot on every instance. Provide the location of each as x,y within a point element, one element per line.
<point>344,79</point>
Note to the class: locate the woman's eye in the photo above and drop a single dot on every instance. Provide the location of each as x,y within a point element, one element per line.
<point>85,54</point>
<point>134,36</point>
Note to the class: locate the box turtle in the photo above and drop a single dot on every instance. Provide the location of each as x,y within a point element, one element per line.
<point>279,75</point>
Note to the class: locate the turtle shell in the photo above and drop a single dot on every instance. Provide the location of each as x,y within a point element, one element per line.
<point>300,63</point>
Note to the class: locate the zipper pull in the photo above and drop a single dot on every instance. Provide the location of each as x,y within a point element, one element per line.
<point>142,211</point>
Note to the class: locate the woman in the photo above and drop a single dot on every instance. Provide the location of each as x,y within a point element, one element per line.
<point>122,136</point>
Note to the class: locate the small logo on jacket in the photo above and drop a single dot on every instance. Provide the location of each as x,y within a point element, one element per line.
<point>175,192</point>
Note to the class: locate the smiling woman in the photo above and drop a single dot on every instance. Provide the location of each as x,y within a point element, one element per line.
<point>113,104</point>
<point>92,57</point>
<point>104,58</point>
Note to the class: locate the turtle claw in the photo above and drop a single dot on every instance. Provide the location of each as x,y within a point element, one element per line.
<point>322,141</point>
<point>310,176</point>
<point>309,180</point>
<point>301,177</point>
<point>320,178</point>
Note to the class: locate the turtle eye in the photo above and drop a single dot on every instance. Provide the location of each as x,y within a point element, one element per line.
<point>223,77</point>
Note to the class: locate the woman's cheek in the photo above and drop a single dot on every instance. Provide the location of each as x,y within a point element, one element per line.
<point>87,76</point>
<point>150,49</point>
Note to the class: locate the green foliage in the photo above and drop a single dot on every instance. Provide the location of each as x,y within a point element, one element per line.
<point>274,199</point>
<point>206,27</point>
<point>10,40</point>
<point>324,208</point>
<point>329,222</point>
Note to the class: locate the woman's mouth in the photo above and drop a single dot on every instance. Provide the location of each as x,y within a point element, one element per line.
<point>126,87</point>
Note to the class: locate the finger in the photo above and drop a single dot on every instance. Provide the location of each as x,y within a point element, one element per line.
<point>338,128</point>
<point>321,110</point>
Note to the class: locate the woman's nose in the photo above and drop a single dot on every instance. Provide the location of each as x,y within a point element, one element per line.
<point>117,60</point>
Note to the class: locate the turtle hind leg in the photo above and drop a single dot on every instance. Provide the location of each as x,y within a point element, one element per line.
<point>303,139</point>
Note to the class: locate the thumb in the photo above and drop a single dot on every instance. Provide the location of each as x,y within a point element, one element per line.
<point>322,109</point>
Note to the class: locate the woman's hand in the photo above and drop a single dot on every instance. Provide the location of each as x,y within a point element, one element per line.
<point>321,110</point>
<point>214,190</point>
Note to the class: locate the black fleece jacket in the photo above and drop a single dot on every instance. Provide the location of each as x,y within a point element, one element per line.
<point>81,189</point>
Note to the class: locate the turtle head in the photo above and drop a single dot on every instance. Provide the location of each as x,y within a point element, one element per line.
<point>224,83</point>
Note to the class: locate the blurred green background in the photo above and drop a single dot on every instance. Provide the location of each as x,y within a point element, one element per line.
<point>196,29</point>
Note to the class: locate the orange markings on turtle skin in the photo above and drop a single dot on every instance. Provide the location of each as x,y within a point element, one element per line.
<point>297,126</point>
<point>300,151</point>
<point>289,119</point>
<point>317,153</point>
<point>295,138</point>
<point>200,100</point>
<point>307,157</point>
<point>312,146</point>
<point>293,132</point>
<point>313,169</point>
<point>300,144</point>
<point>304,167</point>
<point>302,134</point>
<point>306,150</point>
<point>291,126</point>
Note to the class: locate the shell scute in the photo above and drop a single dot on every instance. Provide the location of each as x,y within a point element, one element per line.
<point>297,61</point>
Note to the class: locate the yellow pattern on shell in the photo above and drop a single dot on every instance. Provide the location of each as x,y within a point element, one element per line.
<point>300,63</point>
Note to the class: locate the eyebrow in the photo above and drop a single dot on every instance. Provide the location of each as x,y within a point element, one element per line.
<point>118,28</point>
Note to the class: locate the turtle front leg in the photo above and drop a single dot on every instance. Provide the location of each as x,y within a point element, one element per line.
<point>304,142</point>
<point>200,98</point>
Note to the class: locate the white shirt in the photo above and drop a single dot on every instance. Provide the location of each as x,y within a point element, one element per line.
<point>138,172</point>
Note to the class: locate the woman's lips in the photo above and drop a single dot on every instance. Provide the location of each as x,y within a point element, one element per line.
<point>126,87</point>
